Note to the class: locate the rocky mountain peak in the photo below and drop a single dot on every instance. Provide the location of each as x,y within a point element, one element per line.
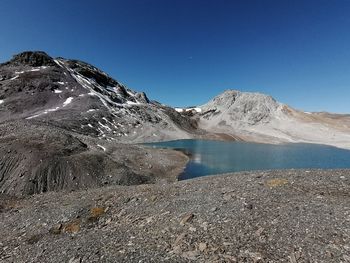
<point>93,78</point>
<point>77,96</point>
<point>91,72</point>
<point>248,107</point>
<point>33,58</point>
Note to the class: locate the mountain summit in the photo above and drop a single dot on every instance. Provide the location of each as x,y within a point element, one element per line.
<point>233,105</point>
<point>75,95</point>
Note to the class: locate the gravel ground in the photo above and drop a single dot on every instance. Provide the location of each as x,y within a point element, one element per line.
<point>271,216</point>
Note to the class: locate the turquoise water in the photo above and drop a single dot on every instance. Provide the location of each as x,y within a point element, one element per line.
<point>214,157</point>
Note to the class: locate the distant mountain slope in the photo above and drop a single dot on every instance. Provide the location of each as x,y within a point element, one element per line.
<point>243,107</point>
<point>258,117</point>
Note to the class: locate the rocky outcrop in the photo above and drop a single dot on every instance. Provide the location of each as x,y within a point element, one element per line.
<point>33,59</point>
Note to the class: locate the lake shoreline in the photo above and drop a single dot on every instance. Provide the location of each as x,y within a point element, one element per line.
<point>210,157</point>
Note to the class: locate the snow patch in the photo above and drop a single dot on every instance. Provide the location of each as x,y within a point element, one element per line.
<point>196,109</point>
<point>130,93</point>
<point>103,148</point>
<point>57,91</point>
<point>15,77</point>
<point>50,110</point>
<point>105,126</point>
<point>132,103</point>
<point>31,70</point>
<point>42,113</point>
<point>1,101</point>
<point>67,101</point>
<point>34,116</point>
<point>58,63</point>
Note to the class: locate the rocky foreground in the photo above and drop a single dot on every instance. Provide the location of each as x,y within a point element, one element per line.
<point>272,216</point>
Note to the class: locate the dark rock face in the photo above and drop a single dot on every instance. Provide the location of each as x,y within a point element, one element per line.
<point>91,72</point>
<point>142,97</point>
<point>33,58</point>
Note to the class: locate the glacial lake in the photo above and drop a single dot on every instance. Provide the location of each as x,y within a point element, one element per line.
<point>215,157</point>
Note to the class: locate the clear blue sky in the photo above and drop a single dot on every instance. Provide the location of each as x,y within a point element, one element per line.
<point>183,52</point>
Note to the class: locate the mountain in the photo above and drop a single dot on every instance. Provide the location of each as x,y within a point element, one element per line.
<point>66,125</point>
<point>258,117</point>
<point>234,106</point>
<point>77,96</point>
<point>62,123</point>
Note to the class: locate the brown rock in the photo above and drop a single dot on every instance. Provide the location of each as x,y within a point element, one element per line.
<point>72,227</point>
<point>276,182</point>
<point>97,211</point>
<point>186,219</point>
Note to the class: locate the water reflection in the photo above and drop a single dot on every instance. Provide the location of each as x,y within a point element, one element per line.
<point>213,157</point>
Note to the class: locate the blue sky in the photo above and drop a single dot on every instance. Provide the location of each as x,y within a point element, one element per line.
<point>184,52</point>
